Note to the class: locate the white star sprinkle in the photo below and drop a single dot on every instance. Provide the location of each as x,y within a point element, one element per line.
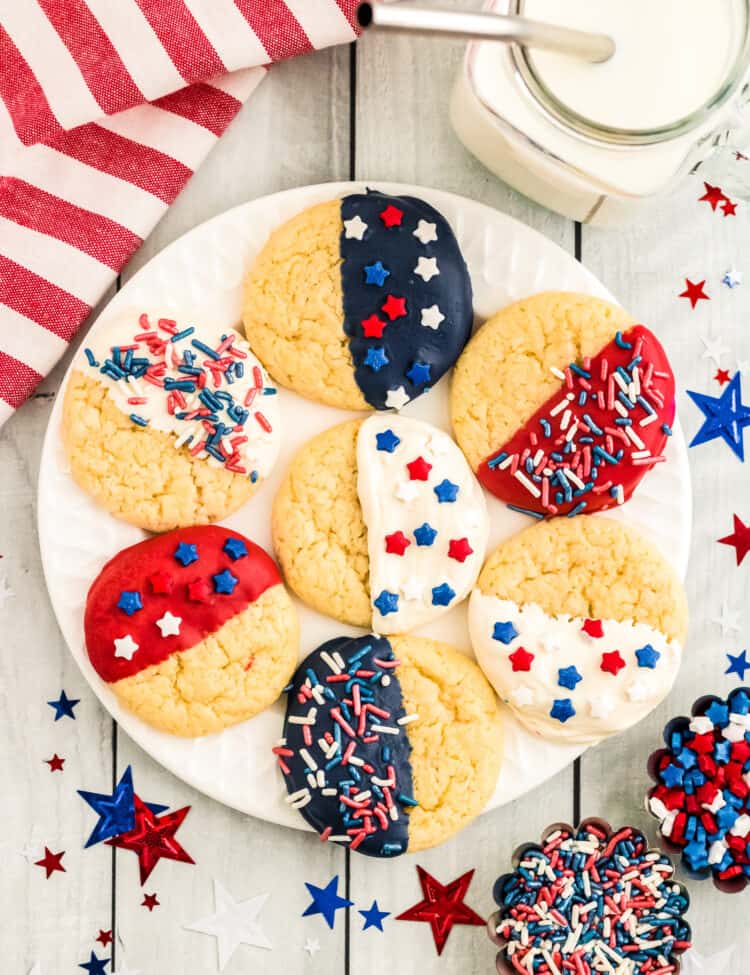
<point>6,592</point>
<point>439,444</point>
<point>714,349</point>
<point>396,398</point>
<point>733,732</point>
<point>522,696</point>
<point>355,228</point>
<point>602,707</point>
<point>426,232</point>
<point>728,620</point>
<point>550,644</point>
<point>407,491</point>
<point>638,691</point>
<point>412,589</point>
<point>732,278</point>
<point>741,826</point>
<point>233,923</point>
<point>432,317</point>
<point>169,625</point>
<point>427,268</point>
<point>701,724</point>
<point>312,947</point>
<point>125,647</point>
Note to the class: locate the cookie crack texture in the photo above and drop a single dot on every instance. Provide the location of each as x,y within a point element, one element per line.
<point>457,742</point>
<point>135,473</point>
<point>293,309</point>
<point>504,374</point>
<point>319,534</point>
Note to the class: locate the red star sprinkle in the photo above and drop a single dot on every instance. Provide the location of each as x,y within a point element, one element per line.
<point>418,469</point>
<point>152,838</point>
<point>593,628</point>
<point>612,663</point>
<point>104,938</point>
<point>521,659</point>
<point>150,901</point>
<point>694,292</point>
<point>394,307</point>
<point>396,543</point>
<point>713,195</point>
<point>442,906</point>
<point>740,539</point>
<point>199,591</point>
<point>722,376</point>
<point>372,327</point>
<point>459,549</point>
<point>55,763</point>
<point>161,583</point>
<point>740,156</point>
<point>51,862</point>
<point>392,216</point>
<point>729,208</point>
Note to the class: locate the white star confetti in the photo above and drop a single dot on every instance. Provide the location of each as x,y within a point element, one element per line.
<point>355,228</point>
<point>407,491</point>
<point>233,923</point>
<point>602,707</point>
<point>432,317</point>
<point>427,268</point>
<point>413,588</point>
<point>694,963</point>
<point>396,398</point>
<point>125,647</point>
<point>732,278</point>
<point>37,969</point>
<point>169,624</point>
<point>522,696</point>
<point>31,852</point>
<point>714,349</point>
<point>426,232</point>
<point>312,947</point>
<point>743,367</point>
<point>6,592</point>
<point>728,620</point>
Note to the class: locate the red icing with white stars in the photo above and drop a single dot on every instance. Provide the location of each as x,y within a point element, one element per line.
<point>630,379</point>
<point>165,586</point>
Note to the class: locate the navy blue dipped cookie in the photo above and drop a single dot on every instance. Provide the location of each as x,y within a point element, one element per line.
<point>390,744</point>
<point>361,303</point>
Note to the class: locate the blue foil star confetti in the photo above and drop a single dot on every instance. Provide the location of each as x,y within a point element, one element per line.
<point>64,706</point>
<point>726,417</point>
<point>738,664</point>
<point>95,966</point>
<point>326,901</point>
<point>117,811</point>
<point>374,917</point>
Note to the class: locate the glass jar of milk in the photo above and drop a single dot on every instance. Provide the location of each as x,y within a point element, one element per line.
<point>594,141</point>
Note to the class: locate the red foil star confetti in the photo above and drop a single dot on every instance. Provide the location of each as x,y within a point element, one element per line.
<point>150,901</point>
<point>722,376</point>
<point>153,839</point>
<point>104,938</point>
<point>713,196</point>
<point>694,292</point>
<point>442,906</point>
<point>51,862</point>
<point>739,539</point>
<point>55,763</point>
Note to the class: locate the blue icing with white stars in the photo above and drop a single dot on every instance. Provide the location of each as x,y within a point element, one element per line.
<point>404,269</point>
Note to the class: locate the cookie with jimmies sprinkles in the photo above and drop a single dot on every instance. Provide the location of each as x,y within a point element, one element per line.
<point>380,523</point>
<point>192,630</point>
<point>562,404</point>
<point>362,302</point>
<point>389,744</point>
<point>578,624</point>
<point>169,422</point>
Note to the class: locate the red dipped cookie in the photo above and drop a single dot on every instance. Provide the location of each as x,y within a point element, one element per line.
<point>193,630</point>
<point>562,404</point>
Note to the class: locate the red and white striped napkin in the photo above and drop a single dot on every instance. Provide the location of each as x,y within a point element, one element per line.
<point>107,107</point>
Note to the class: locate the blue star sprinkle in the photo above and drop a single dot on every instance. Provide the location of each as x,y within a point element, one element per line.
<point>235,548</point>
<point>737,665</point>
<point>95,966</point>
<point>64,706</point>
<point>718,713</point>
<point>671,776</point>
<point>647,656</point>
<point>129,602</point>
<point>326,901</point>
<point>387,602</point>
<point>504,632</point>
<point>446,491</point>
<point>224,582</point>
<point>185,553</point>
<point>726,417</point>
<point>442,595</point>
<point>419,373</point>
<point>740,702</point>
<point>387,441</point>
<point>695,853</point>
<point>723,751</point>
<point>425,534</point>
<point>376,274</point>
<point>687,759</point>
<point>562,709</point>
<point>374,917</point>
<point>568,677</point>
<point>376,358</point>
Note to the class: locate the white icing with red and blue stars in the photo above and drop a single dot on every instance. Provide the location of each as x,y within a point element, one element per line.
<point>426,518</point>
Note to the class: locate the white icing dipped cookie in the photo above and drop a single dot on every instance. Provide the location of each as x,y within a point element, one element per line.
<point>578,625</point>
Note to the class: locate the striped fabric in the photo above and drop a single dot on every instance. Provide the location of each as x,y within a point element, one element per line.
<point>107,107</point>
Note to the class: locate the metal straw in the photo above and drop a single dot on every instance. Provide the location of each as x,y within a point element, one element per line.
<point>488,26</point>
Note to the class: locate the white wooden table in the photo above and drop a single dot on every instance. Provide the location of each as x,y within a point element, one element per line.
<point>380,114</point>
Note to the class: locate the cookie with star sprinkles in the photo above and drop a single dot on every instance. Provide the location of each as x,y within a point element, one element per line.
<point>362,302</point>
<point>562,404</point>
<point>390,743</point>
<point>169,423</point>
<point>380,523</point>
<point>192,630</point>
<point>578,624</point>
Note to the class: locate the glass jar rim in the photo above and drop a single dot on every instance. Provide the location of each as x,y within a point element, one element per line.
<point>591,130</point>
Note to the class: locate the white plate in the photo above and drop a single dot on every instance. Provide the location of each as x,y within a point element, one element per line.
<point>203,271</point>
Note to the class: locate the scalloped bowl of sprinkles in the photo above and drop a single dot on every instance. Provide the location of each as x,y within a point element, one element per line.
<point>588,901</point>
<point>702,793</point>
